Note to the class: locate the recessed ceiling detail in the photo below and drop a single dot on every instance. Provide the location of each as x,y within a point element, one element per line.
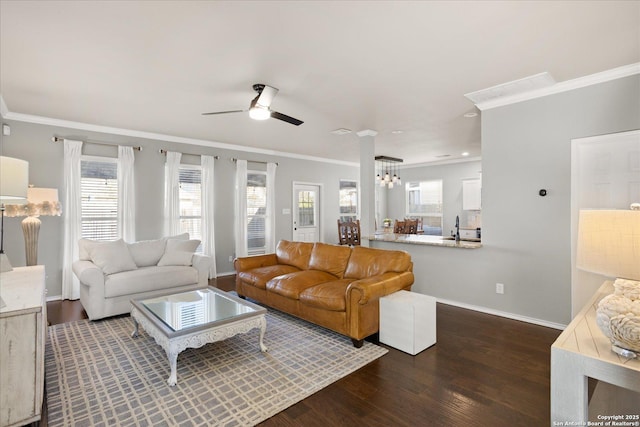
<point>341,131</point>
<point>515,87</point>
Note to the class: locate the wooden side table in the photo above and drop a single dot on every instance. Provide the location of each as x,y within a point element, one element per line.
<point>580,352</point>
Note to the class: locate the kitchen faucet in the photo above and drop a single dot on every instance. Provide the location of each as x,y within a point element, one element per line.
<point>457,228</point>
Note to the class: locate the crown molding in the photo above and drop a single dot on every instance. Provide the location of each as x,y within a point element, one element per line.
<point>580,82</point>
<point>440,162</point>
<point>27,118</point>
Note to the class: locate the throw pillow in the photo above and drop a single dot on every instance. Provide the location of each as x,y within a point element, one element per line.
<point>84,247</point>
<point>179,252</point>
<point>147,252</point>
<point>112,257</point>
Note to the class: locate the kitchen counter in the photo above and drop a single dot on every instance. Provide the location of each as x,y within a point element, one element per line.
<point>422,239</point>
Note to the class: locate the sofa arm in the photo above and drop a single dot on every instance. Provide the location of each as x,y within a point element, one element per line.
<point>88,273</point>
<point>202,263</point>
<point>372,288</point>
<point>249,263</point>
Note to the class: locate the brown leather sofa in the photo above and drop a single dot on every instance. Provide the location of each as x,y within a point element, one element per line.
<point>337,287</point>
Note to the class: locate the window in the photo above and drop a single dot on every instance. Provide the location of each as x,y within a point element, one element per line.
<point>348,200</point>
<point>190,194</point>
<point>424,199</point>
<point>99,194</point>
<point>256,212</point>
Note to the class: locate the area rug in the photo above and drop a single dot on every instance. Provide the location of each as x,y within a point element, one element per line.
<point>97,375</point>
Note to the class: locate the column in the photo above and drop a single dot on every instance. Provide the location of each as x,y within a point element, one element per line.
<point>367,185</point>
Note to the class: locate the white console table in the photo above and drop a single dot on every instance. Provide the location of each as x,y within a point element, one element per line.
<point>23,331</point>
<point>582,351</point>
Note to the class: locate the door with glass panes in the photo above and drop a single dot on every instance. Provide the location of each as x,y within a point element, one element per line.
<point>305,215</point>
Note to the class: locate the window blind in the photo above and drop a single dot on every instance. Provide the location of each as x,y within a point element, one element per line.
<point>99,189</point>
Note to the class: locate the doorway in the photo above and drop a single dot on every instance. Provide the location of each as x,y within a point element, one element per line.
<point>605,174</point>
<point>306,212</point>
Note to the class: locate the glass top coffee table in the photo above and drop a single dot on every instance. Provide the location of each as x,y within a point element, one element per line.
<point>192,319</point>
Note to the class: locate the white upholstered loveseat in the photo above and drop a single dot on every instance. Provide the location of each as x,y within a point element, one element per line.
<point>113,273</point>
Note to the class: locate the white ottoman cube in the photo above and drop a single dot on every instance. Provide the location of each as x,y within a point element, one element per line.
<point>408,321</point>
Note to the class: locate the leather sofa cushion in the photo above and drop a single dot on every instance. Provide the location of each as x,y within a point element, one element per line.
<point>327,296</point>
<point>146,279</point>
<point>294,253</point>
<point>259,277</point>
<point>330,258</point>
<point>292,284</point>
<point>368,262</point>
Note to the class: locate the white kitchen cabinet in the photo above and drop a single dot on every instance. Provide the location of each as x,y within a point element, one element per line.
<point>471,194</point>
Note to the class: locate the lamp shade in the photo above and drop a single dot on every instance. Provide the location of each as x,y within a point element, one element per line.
<point>609,243</point>
<point>40,201</point>
<point>14,180</point>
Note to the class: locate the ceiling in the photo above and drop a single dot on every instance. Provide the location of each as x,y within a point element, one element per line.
<point>387,66</point>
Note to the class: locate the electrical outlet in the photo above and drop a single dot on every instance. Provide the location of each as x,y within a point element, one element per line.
<point>230,258</point>
<point>499,288</point>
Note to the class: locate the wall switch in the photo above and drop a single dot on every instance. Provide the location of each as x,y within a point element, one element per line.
<point>230,258</point>
<point>286,211</point>
<point>499,288</point>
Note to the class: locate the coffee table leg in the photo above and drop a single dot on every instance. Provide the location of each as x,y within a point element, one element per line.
<point>173,362</point>
<point>263,330</point>
<point>134,334</point>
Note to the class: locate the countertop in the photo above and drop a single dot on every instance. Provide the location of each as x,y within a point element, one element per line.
<point>422,239</point>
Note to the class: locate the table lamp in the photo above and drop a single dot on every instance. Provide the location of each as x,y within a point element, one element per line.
<point>14,180</point>
<point>609,244</point>
<point>40,201</point>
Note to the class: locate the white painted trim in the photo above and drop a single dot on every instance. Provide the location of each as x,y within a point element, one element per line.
<point>605,137</point>
<point>505,314</point>
<point>161,137</point>
<point>54,298</point>
<point>580,82</point>
<point>227,273</point>
<point>3,107</point>
<point>439,162</point>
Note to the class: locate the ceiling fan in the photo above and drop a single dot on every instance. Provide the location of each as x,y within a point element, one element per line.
<point>259,109</point>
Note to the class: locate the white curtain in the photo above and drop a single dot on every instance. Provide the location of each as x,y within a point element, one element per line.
<point>241,208</point>
<point>172,194</point>
<point>126,194</point>
<point>72,217</point>
<point>270,220</point>
<point>208,209</point>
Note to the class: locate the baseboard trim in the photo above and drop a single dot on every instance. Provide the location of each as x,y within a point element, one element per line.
<point>228,273</point>
<point>54,298</point>
<point>508,315</point>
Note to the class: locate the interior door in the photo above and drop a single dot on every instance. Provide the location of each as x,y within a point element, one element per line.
<point>306,209</point>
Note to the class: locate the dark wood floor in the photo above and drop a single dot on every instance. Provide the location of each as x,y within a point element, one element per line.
<point>484,371</point>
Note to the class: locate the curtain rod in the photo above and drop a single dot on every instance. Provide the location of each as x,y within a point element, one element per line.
<point>58,139</point>
<point>233,159</point>
<point>163,151</point>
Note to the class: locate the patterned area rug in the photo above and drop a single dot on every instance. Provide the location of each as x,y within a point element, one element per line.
<point>97,375</point>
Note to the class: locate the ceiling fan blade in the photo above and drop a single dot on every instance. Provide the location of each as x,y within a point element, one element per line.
<point>223,112</point>
<point>285,118</point>
<point>266,96</point>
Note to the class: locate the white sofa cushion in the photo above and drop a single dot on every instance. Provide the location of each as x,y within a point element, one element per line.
<point>112,257</point>
<point>178,252</point>
<point>84,247</point>
<point>147,279</point>
<point>147,252</point>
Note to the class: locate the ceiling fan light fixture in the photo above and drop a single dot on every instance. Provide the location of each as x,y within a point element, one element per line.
<point>258,112</point>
